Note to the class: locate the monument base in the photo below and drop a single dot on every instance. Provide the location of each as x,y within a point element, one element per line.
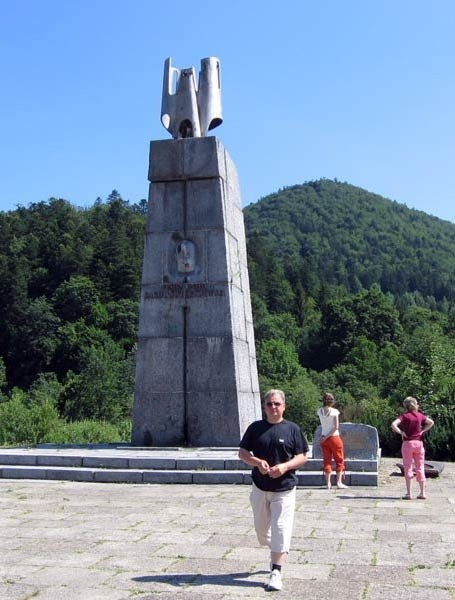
<point>196,374</point>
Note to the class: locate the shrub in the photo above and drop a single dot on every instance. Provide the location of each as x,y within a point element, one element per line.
<point>84,432</point>
<point>15,422</point>
<point>440,440</point>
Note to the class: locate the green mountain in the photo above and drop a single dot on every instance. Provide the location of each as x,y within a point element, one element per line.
<point>354,294</point>
<point>343,235</point>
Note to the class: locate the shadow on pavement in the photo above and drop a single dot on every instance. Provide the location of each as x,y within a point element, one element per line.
<point>354,497</point>
<point>184,579</point>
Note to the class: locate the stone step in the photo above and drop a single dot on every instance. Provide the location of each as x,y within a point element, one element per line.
<point>154,462</point>
<point>181,476</point>
<point>124,463</point>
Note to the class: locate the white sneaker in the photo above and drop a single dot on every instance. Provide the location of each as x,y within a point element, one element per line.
<point>341,486</point>
<point>275,584</point>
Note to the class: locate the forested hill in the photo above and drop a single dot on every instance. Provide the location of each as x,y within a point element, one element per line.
<point>351,293</point>
<point>343,235</point>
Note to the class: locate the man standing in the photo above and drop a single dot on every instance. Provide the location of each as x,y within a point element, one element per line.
<point>275,448</point>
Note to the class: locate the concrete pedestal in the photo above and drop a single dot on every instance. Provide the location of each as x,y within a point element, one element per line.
<point>196,374</point>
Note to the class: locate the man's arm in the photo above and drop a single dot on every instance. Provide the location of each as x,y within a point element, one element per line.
<point>254,461</point>
<point>280,469</point>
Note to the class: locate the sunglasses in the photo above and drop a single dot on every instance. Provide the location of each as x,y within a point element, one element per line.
<point>270,404</point>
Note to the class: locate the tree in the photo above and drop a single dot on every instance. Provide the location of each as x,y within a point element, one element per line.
<point>282,326</point>
<point>338,327</point>
<point>103,389</point>
<point>123,316</point>
<point>34,340</point>
<point>2,378</point>
<point>376,317</point>
<point>267,276</point>
<point>76,299</point>
<point>73,339</point>
<point>278,360</point>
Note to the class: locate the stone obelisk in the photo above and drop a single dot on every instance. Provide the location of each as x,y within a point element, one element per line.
<point>196,374</point>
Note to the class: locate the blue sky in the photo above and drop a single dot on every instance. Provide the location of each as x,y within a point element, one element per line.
<point>358,90</point>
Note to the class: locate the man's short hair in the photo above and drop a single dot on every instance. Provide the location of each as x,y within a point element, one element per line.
<point>273,393</point>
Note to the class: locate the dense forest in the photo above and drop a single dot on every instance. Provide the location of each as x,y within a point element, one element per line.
<point>351,292</point>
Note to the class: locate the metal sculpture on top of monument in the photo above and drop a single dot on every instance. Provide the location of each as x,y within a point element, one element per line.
<point>188,109</point>
<point>196,374</point>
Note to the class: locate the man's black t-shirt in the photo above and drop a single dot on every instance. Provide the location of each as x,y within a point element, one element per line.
<point>276,443</point>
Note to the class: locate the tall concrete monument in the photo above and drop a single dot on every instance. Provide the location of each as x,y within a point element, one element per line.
<point>196,374</point>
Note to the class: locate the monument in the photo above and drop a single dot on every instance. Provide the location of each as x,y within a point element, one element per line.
<point>196,375</point>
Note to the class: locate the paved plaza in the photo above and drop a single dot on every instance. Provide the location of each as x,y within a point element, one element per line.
<point>97,541</point>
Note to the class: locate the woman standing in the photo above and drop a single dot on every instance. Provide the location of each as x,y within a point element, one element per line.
<point>331,442</point>
<point>411,425</point>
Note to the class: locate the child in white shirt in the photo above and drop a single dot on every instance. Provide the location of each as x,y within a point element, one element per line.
<point>331,442</point>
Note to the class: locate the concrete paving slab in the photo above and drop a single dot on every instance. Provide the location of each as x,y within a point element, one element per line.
<point>428,576</point>
<point>389,592</point>
<point>14,588</point>
<point>107,541</point>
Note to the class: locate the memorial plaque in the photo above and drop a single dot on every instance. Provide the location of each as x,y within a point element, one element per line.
<point>360,441</point>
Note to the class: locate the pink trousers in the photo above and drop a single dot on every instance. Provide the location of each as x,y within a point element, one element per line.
<point>413,451</point>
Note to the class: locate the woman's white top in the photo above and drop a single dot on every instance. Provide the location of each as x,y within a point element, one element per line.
<point>327,417</point>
